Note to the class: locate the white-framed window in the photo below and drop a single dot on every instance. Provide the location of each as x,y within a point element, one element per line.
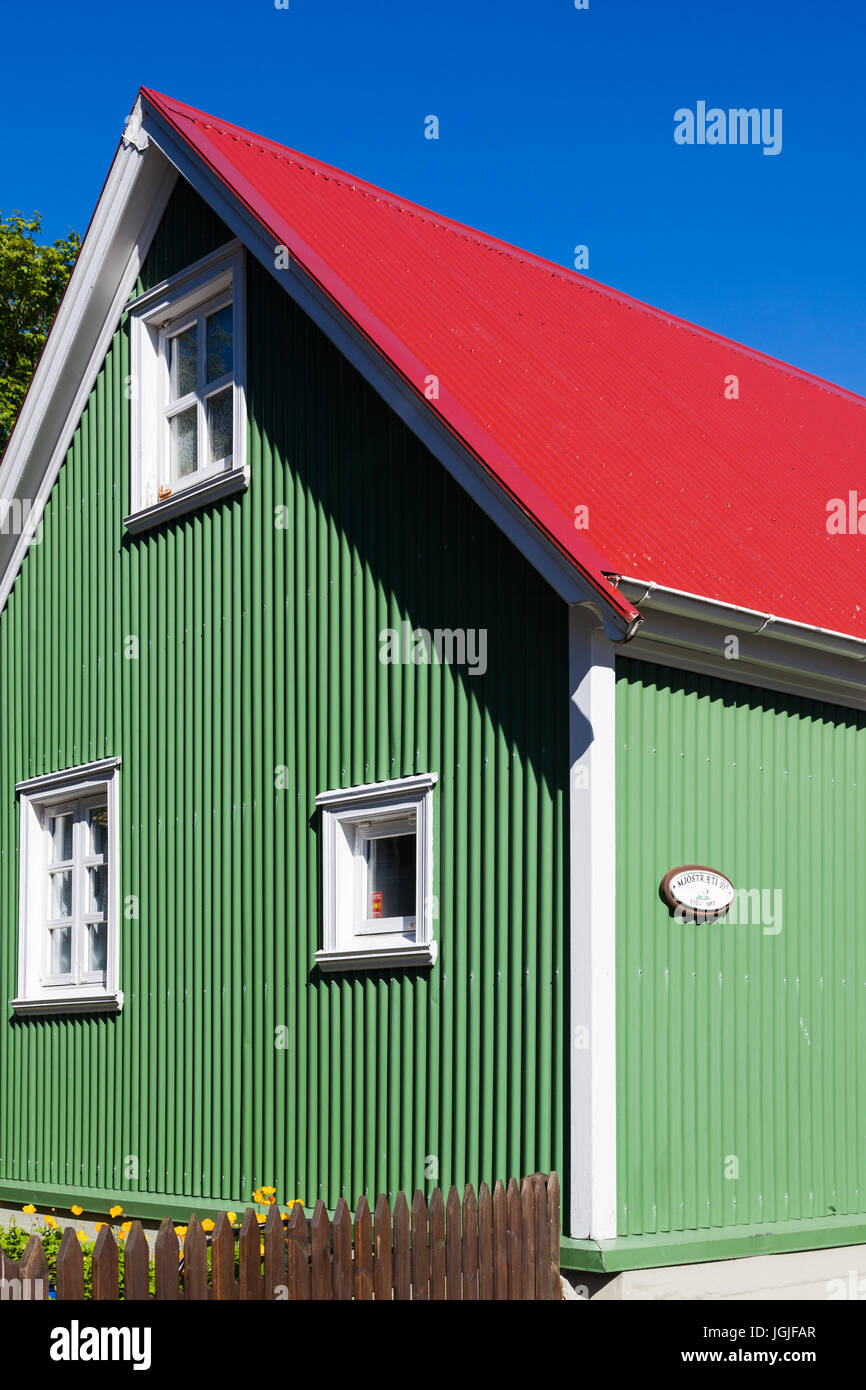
<point>377,875</point>
<point>69,891</point>
<point>187,390</point>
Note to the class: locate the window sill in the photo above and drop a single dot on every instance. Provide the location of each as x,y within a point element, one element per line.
<point>378,958</point>
<point>71,1002</point>
<point>188,498</point>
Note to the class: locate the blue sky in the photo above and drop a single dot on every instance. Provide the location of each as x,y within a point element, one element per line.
<point>556,129</point>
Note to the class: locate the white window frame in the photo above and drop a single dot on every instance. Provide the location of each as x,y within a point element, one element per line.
<point>350,818</point>
<point>86,991</point>
<point>155,318</point>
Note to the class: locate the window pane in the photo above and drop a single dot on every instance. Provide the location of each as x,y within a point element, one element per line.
<point>96,946</point>
<point>183,362</point>
<point>97,819</point>
<point>97,888</point>
<point>60,830</point>
<point>219,414</point>
<point>392,876</point>
<point>61,951</point>
<point>219,343</point>
<point>61,895</point>
<point>184,442</point>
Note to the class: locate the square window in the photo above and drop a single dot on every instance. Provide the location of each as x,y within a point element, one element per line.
<point>377,863</point>
<point>69,915</point>
<point>188,400</point>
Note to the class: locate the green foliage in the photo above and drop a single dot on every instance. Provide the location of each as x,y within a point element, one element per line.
<point>14,1238</point>
<point>32,280</point>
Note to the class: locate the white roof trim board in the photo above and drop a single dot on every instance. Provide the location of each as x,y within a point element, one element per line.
<point>118,238</point>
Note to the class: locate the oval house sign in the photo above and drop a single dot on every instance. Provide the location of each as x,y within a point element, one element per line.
<point>697,893</point>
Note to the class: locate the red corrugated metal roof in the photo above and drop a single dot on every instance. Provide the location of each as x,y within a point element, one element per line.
<point>575,395</point>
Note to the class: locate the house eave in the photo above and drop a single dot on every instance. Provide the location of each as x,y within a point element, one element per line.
<point>689,630</point>
<point>127,214</point>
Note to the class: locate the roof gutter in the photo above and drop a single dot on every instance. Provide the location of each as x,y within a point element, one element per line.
<point>645,594</point>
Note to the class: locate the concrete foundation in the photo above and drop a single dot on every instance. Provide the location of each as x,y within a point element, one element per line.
<point>807,1275</point>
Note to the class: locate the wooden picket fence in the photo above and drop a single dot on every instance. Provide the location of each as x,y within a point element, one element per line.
<point>499,1246</point>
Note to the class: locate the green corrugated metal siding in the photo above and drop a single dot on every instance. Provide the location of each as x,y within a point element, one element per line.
<point>258,649</point>
<point>732,1041</point>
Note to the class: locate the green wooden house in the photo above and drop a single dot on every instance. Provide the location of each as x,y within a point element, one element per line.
<point>432,744</point>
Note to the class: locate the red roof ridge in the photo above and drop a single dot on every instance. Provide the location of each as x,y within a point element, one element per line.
<point>316,166</point>
<point>487,240</point>
<point>684,489</point>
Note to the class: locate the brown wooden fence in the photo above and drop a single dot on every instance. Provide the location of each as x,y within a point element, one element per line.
<point>499,1246</point>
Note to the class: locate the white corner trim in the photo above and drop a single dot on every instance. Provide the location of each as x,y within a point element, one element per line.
<point>123,225</point>
<point>386,958</point>
<point>592,1211</point>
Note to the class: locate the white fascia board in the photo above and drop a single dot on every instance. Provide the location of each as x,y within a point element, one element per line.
<point>692,633</point>
<point>380,373</point>
<point>591,1209</point>
<point>122,227</point>
<point>751,620</point>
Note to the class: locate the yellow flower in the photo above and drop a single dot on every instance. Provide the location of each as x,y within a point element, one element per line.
<point>232,1216</point>
<point>115,1211</point>
<point>269,1189</point>
<point>82,1236</point>
<point>99,1225</point>
<point>76,1210</point>
<point>207,1225</point>
<point>180,1231</point>
<point>49,1221</point>
<point>126,1227</point>
<point>261,1219</point>
<point>29,1209</point>
<point>262,1248</point>
<point>258,1196</point>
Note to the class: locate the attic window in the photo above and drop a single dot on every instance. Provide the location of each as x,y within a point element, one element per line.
<point>187,390</point>
<point>199,412</point>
